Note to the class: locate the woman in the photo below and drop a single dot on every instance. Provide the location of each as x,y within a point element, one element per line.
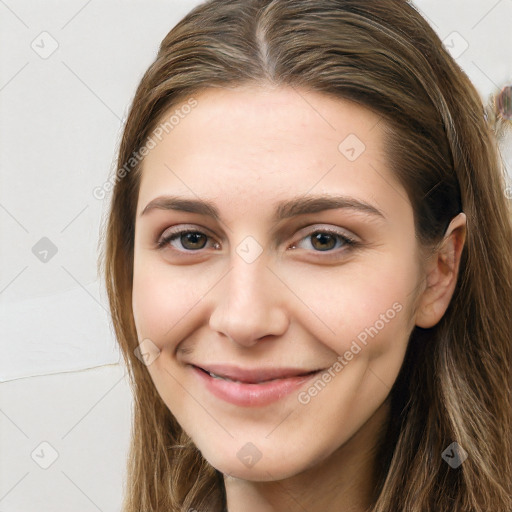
<point>308,265</point>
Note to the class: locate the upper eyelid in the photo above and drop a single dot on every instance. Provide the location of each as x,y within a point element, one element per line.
<point>180,228</point>
<point>312,228</point>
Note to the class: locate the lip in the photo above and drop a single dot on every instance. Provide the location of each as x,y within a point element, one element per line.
<point>254,375</point>
<point>244,394</point>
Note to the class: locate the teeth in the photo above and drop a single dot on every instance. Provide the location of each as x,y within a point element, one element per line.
<point>223,378</point>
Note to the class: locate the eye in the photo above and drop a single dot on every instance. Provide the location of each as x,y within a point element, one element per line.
<point>193,240</point>
<point>185,240</point>
<point>325,240</point>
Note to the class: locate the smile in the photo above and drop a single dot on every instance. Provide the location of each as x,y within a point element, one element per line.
<point>250,394</point>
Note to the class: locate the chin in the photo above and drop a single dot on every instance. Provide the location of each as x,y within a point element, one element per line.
<point>266,469</point>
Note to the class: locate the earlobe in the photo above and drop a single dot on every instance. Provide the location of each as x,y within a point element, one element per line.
<point>441,275</point>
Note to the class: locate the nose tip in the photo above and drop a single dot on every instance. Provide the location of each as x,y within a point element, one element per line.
<point>242,330</point>
<point>249,307</point>
<point>246,319</point>
<point>246,341</point>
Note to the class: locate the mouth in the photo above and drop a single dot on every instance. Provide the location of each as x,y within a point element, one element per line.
<point>253,381</point>
<point>250,391</point>
<point>255,376</point>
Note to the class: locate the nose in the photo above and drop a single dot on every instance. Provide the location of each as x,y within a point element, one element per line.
<point>249,304</point>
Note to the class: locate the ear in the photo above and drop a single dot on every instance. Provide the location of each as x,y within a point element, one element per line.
<point>441,275</point>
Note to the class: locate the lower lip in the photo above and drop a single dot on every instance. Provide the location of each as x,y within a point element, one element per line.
<point>252,395</point>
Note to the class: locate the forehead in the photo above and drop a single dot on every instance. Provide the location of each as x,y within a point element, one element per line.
<point>264,141</point>
<point>264,113</point>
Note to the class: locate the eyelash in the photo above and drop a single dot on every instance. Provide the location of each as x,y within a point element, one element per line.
<point>348,242</point>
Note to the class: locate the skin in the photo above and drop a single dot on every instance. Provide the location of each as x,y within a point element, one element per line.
<point>245,149</point>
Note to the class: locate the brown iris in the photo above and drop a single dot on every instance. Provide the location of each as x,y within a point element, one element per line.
<point>323,241</point>
<point>193,240</point>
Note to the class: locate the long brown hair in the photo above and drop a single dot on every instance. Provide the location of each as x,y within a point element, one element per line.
<point>455,382</point>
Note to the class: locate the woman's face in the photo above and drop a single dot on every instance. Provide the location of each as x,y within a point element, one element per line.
<point>267,186</point>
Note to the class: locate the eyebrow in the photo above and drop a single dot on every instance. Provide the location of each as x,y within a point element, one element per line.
<point>301,205</point>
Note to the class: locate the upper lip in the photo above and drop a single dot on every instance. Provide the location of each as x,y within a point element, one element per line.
<point>253,375</point>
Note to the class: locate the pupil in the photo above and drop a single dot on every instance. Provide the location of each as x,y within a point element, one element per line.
<point>323,241</point>
<point>193,240</point>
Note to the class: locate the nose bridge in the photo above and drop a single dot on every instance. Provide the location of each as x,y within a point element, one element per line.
<point>246,293</point>
<point>247,306</point>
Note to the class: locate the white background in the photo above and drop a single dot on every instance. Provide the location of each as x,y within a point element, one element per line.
<point>60,123</point>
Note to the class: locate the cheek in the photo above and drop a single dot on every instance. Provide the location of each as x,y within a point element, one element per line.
<point>161,298</point>
<point>167,301</point>
<point>365,305</point>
